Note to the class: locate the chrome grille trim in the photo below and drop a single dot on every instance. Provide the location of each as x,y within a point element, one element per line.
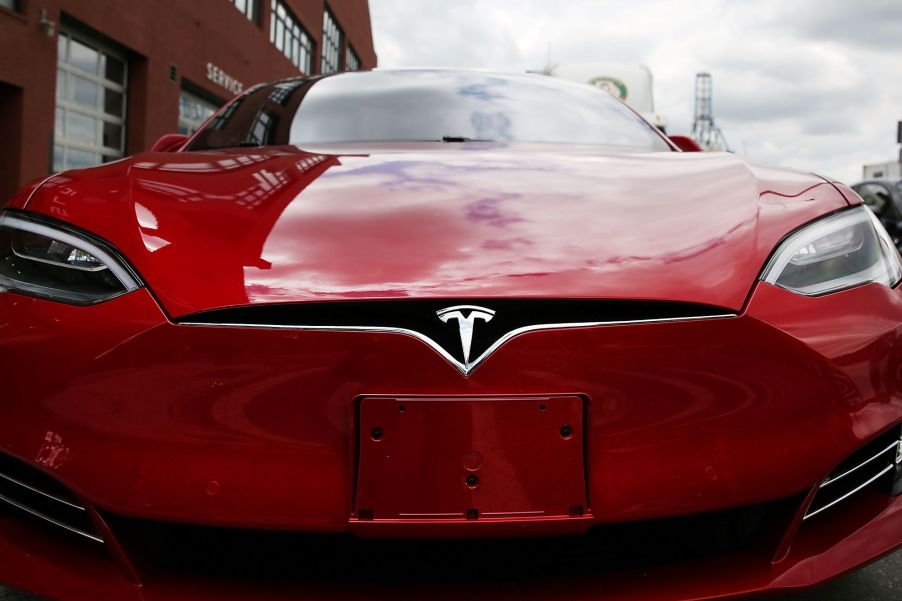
<point>51,520</point>
<point>465,369</point>
<point>893,447</point>
<point>863,468</point>
<point>41,492</point>
<point>882,473</point>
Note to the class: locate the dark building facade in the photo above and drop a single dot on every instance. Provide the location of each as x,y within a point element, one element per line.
<point>84,82</point>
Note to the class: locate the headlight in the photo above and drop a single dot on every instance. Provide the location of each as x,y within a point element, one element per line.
<point>41,257</point>
<point>841,251</point>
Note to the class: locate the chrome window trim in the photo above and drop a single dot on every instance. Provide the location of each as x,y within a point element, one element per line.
<point>465,368</point>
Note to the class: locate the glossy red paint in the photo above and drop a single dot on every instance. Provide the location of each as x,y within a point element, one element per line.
<point>169,143</point>
<point>685,143</point>
<point>215,230</point>
<point>199,399</point>
<point>262,428</point>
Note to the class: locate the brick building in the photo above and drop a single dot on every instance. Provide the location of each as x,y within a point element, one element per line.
<point>89,81</point>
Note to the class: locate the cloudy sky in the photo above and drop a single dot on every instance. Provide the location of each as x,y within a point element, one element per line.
<point>812,84</point>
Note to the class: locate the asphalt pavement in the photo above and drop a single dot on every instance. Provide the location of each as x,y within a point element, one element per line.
<point>880,581</point>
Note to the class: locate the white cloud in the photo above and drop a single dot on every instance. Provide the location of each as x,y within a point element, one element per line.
<point>805,83</point>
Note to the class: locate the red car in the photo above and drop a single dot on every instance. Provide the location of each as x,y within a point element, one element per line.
<point>443,334</point>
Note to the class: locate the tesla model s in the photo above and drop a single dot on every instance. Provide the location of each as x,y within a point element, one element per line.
<point>443,334</point>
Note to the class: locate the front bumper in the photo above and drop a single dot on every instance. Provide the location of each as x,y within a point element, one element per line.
<point>148,422</point>
<point>62,569</point>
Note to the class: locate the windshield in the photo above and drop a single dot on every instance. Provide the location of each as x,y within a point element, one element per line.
<point>427,105</point>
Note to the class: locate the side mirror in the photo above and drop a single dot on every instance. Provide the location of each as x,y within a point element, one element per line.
<point>169,143</point>
<point>685,143</point>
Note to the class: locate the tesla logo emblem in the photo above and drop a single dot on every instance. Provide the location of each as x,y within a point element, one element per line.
<point>466,316</point>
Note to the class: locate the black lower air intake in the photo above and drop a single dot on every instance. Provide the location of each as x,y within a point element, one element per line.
<point>877,464</point>
<point>34,494</point>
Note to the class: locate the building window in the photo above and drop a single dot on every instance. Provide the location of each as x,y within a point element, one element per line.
<point>352,63</point>
<point>248,8</point>
<point>286,32</point>
<point>331,43</point>
<point>193,111</point>
<point>91,84</point>
<point>10,4</point>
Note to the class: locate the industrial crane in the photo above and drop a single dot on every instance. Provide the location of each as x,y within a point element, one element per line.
<point>704,130</point>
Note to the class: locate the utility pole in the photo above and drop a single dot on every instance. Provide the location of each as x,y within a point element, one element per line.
<point>704,130</point>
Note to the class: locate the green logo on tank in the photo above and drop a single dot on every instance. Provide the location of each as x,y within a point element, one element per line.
<point>611,85</point>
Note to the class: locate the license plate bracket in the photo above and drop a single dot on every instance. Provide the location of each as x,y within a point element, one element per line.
<point>516,458</point>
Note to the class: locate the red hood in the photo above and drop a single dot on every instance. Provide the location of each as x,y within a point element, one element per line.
<point>230,228</point>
